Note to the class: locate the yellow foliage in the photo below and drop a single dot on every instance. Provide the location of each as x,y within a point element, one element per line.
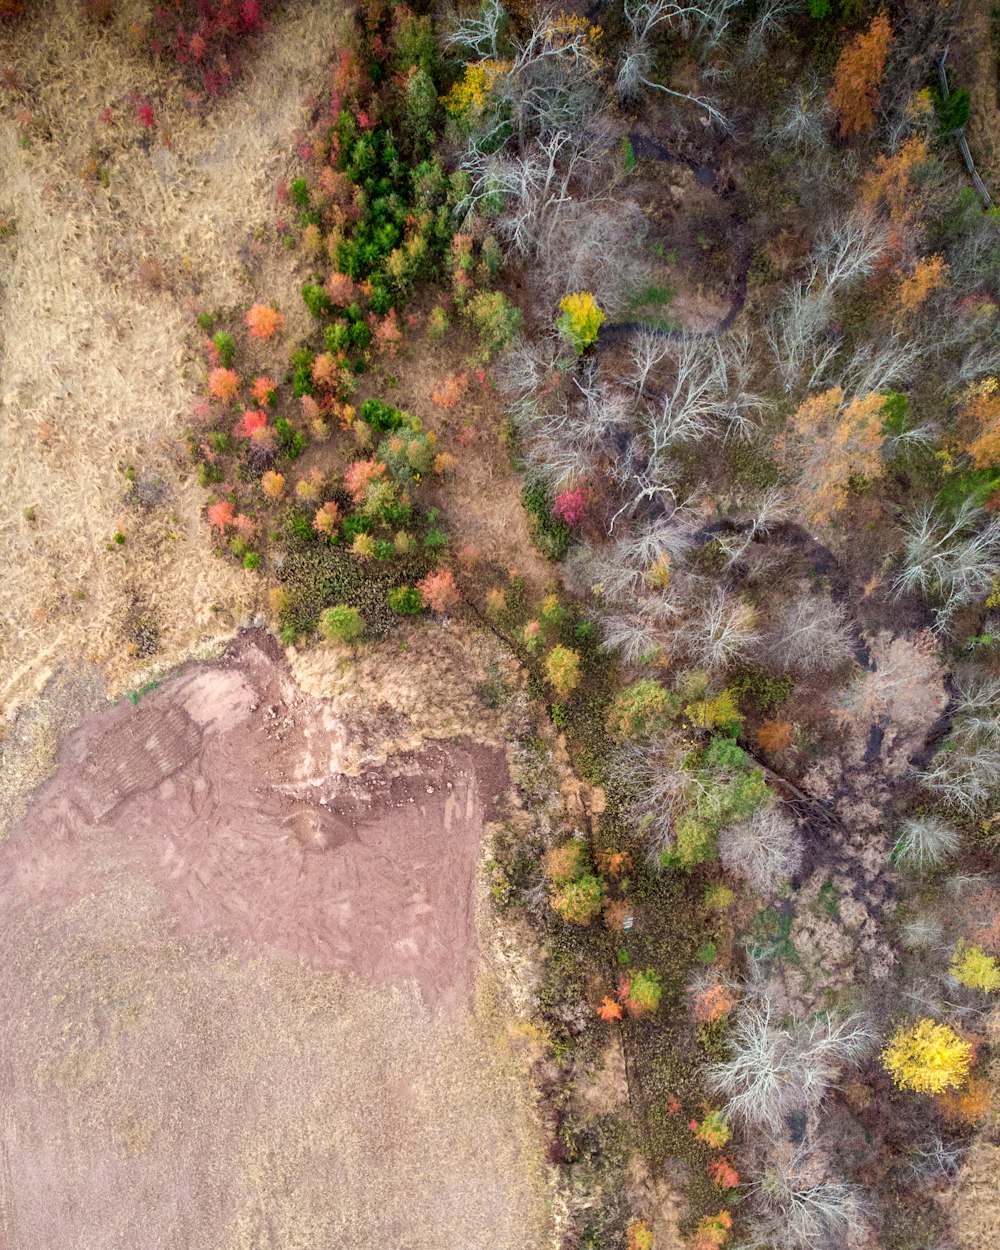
<point>582,318</point>
<point>929,273</point>
<point>928,1058</point>
<point>973,968</point>
<point>468,97</point>
<point>827,443</point>
<point>720,710</point>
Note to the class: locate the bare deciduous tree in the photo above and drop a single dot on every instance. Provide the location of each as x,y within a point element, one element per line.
<point>953,559</point>
<point>477,37</point>
<point>764,850</point>
<point>965,772</point>
<point>773,1071</point>
<point>809,634</point>
<point>798,1205</point>
<point>644,18</point>
<point>720,630</point>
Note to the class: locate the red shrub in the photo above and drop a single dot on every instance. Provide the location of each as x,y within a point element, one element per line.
<point>570,506</point>
<point>221,514</point>
<point>439,590</point>
<point>207,37</point>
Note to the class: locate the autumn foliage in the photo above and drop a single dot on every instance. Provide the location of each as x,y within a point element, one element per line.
<point>223,385</point>
<point>439,590</point>
<point>857,77</point>
<point>263,321</point>
<point>928,1058</point>
<point>828,442</point>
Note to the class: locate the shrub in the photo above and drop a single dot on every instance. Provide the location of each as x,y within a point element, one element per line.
<point>712,1232</point>
<point>562,669</point>
<point>713,1130</point>
<point>221,514</point>
<point>644,993</point>
<point>495,319</point>
<point>566,862</point>
<point>381,416</point>
<point>641,711</point>
<point>264,321</point>
<point>718,712</point>
<point>251,560</point>
<point>273,484</point>
<point>927,1057</point>
<point>639,1236</point>
<point>341,624</point>
<point>973,968</point>
<point>925,842</point>
<point>610,1010</point>
<point>327,519</point>
<point>581,320</point>
<point>316,300</point>
<point>223,385</point>
<point>406,600</point>
<point>225,346</point>
<point>579,901</point>
<point>438,590</point>
<point>570,506</point>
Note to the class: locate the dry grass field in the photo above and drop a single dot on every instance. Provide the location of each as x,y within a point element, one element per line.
<point>98,288</point>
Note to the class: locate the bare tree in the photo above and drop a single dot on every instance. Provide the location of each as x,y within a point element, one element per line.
<point>770,24</point>
<point>925,842</point>
<point>804,120</point>
<point>720,630</point>
<point>764,850</point>
<point>798,1205</point>
<point>965,772</point>
<point>809,634</point>
<point>645,17</point>
<point>774,1071</point>
<point>953,559</point>
<point>477,38</point>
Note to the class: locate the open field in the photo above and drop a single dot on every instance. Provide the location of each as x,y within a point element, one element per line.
<point>237,1006</point>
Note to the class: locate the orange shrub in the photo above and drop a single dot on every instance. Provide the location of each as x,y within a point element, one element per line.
<point>929,273</point>
<point>616,912</point>
<point>969,1105</point>
<point>327,519</point>
<point>610,1010</point>
<point>223,385</point>
<point>221,514</point>
<point>439,590</point>
<point>263,321</point>
<point>712,1231</point>
<point>980,410</point>
<point>449,391</point>
<point>774,735</point>
<point>273,484</point>
<point>713,1003</point>
<point>639,1236</point>
<point>723,1173</point>
<point>264,390</point>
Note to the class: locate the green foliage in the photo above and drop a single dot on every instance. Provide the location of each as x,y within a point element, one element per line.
<point>302,382</point>
<point>381,416</point>
<point>579,901</point>
<point>406,600</point>
<point>551,537</point>
<point>495,319</point>
<point>628,155</point>
<point>341,624</point>
<point>205,321</point>
<point>953,113</point>
<point>759,688</point>
<point>251,560</point>
<point>300,192</point>
<point>226,347</point>
<point>645,992</point>
<point>641,711</point>
<point>292,442</point>
<point>316,299</point>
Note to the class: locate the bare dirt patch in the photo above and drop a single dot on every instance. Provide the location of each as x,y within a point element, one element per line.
<point>236,1004</point>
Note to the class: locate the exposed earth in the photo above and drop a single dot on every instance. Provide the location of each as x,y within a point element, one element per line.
<point>237,1009</point>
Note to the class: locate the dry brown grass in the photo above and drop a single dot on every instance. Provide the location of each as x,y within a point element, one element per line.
<point>99,286</point>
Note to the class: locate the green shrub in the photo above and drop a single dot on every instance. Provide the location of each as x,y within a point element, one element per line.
<point>495,319</point>
<point>302,381</point>
<point>251,560</point>
<point>381,416</point>
<point>293,442</point>
<point>316,300</point>
<point>552,537</point>
<point>341,624</point>
<point>226,347</point>
<point>578,902</point>
<point>406,600</point>
<point>641,711</point>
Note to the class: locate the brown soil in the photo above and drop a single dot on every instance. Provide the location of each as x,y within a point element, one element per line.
<point>223,790</point>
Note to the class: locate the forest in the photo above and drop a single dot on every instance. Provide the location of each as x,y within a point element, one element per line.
<point>656,346</point>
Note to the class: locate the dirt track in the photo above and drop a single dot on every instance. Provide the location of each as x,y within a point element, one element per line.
<point>235,1005</point>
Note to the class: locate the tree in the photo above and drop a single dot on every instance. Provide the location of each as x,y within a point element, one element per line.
<point>810,635</point>
<point>579,901</point>
<point>581,320</point>
<point>439,590</point>
<point>764,850</point>
<point>799,1207</point>
<point>829,442</point>
<point>641,711</point>
<point>973,968</point>
<point>263,321</point>
<point>341,624</point>
<point>562,670</point>
<point>953,558</point>
<point>927,1057</point>
<point>857,77</point>
<point>773,1071</point>
<point>925,842</point>
<point>643,994</point>
<point>720,630</point>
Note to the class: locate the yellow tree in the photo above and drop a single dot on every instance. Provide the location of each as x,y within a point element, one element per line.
<point>928,1058</point>
<point>828,442</point>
